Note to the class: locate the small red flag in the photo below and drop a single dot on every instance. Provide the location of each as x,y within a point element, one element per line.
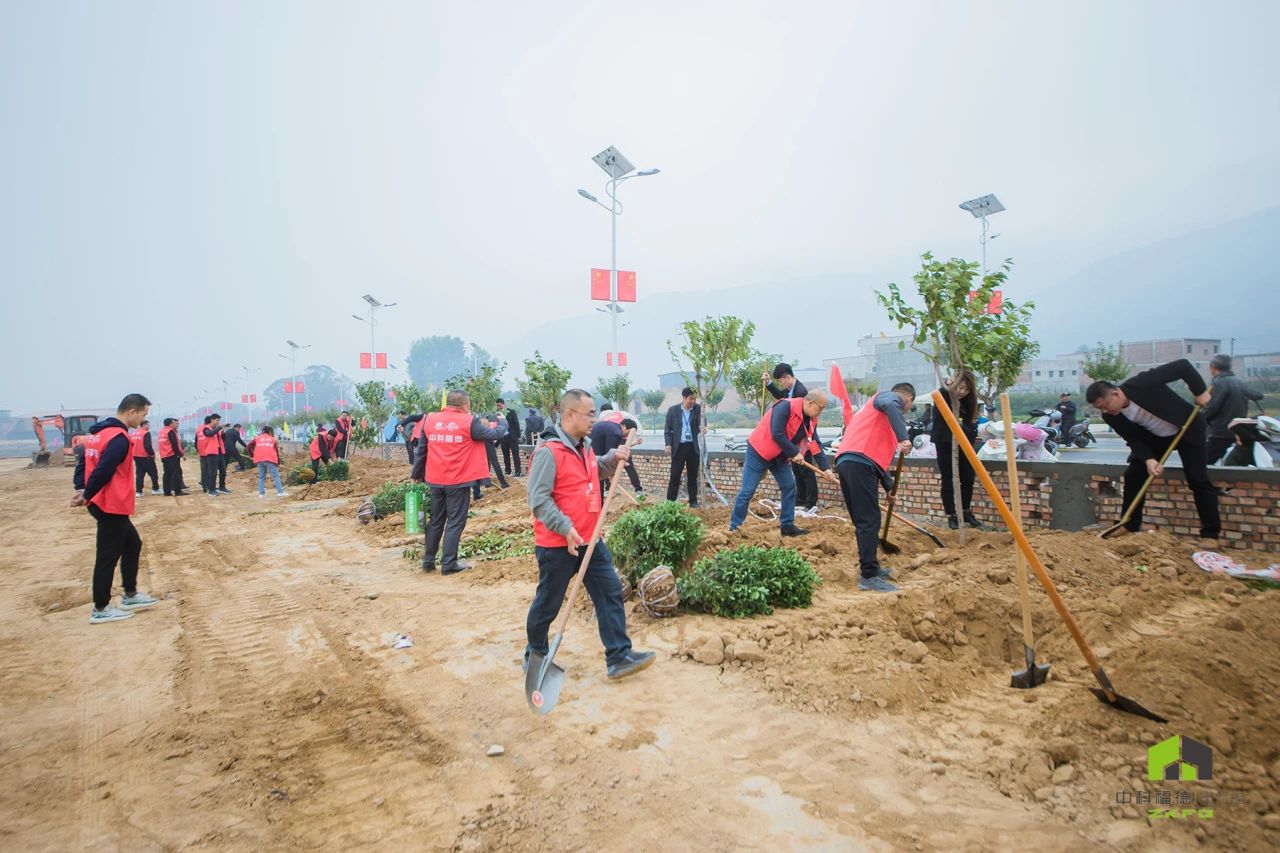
<point>626,286</point>
<point>288,387</point>
<point>835,384</point>
<point>297,388</point>
<point>253,398</point>
<point>600,285</point>
<point>608,359</point>
<point>622,359</point>
<point>244,398</point>
<point>366,361</point>
<point>382,361</point>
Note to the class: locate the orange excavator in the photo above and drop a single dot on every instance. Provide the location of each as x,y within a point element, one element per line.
<point>73,429</point>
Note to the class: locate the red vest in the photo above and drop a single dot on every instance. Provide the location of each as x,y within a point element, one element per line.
<point>218,445</point>
<point>202,441</point>
<point>138,438</point>
<point>453,456</point>
<point>870,433</point>
<point>343,425</point>
<point>315,446</point>
<point>117,496</point>
<point>761,438</point>
<point>576,491</point>
<point>166,445</point>
<point>265,450</point>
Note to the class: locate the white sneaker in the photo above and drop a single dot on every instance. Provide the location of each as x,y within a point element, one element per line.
<point>138,601</point>
<point>139,494</point>
<point>111,614</point>
<point>156,492</point>
<point>282,494</point>
<point>262,494</point>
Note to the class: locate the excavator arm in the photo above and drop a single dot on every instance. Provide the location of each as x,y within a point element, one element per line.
<point>41,457</point>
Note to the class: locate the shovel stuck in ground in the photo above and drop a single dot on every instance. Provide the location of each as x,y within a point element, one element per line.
<point>544,678</point>
<point>1128,513</point>
<point>1105,692</point>
<point>1035,674</point>
<point>885,545</point>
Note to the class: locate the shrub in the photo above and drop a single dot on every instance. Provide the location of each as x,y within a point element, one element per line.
<point>748,580</point>
<point>340,470</point>
<point>496,545</point>
<point>299,475</point>
<point>664,534</point>
<point>390,498</point>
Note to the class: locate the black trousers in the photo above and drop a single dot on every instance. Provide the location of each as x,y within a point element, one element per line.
<point>806,485</point>
<point>340,451</point>
<point>172,474</point>
<point>684,457</point>
<point>1191,450</point>
<point>142,466</point>
<point>860,487</point>
<point>492,452</point>
<point>556,568</point>
<point>947,489</point>
<point>222,470</point>
<point>118,541</point>
<point>315,466</point>
<point>235,456</point>
<point>410,445</point>
<point>449,506</point>
<point>208,473</point>
<point>510,451</point>
<point>1216,448</point>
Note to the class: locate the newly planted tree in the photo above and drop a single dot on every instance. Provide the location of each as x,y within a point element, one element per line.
<point>616,390</point>
<point>711,348</point>
<point>543,384</point>
<point>746,378</point>
<point>1107,364</point>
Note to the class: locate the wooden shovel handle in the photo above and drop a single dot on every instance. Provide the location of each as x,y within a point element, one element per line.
<point>893,495</point>
<point>1015,505</point>
<point>1168,451</point>
<point>1024,545</point>
<point>576,586</point>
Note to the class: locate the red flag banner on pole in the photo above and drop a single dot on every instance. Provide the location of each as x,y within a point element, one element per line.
<point>626,286</point>
<point>995,305</point>
<point>608,359</point>
<point>622,359</point>
<point>600,285</point>
<point>253,398</point>
<point>835,384</point>
<point>288,387</point>
<point>381,361</point>
<point>244,398</point>
<point>297,387</point>
<point>366,360</point>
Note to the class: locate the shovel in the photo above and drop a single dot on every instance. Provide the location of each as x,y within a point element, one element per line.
<point>1106,693</point>
<point>885,545</point>
<point>545,677</point>
<point>1128,513</point>
<point>902,518</point>
<point>1035,674</point>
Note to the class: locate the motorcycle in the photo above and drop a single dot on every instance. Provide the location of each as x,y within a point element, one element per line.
<point>1079,436</point>
<point>1047,422</point>
<point>1257,442</point>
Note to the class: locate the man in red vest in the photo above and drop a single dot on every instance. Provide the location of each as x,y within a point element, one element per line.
<point>343,426</point>
<point>171,458</point>
<point>780,438</point>
<point>871,438</point>
<point>266,455</point>
<point>207,448</point>
<point>212,458</point>
<point>564,495</point>
<point>452,457</point>
<point>103,481</point>
<point>144,458</point>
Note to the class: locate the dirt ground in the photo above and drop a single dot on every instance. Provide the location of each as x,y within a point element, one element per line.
<point>261,705</point>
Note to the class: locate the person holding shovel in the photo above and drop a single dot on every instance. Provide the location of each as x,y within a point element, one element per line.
<point>1147,414</point>
<point>871,438</point>
<point>564,496</point>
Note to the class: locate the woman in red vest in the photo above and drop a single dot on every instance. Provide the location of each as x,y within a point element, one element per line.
<point>319,448</point>
<point>780,438</point>
<point>104,483</point>
<point>871,437</point>
<point>564,495</point>
<point>266,455</point>
<point>171,458</point>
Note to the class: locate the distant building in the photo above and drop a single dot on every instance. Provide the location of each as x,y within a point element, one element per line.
<point>886,360</point>
<point>1052,375</point>
<point>1144,355</point>
<point>1262,365</point>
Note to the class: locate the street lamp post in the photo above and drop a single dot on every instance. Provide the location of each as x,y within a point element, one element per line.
<point>618,168</point>
<point>372,320</point>
<point>294,352</point>
<point>981,208</point>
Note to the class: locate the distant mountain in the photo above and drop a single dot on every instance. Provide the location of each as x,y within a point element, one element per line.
<point>1215,282</point>
<point>1219,282</point>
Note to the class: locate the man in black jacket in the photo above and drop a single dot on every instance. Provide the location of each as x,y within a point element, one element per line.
<point>785,386</point>
<point>1147,414</point>
<point>1068,410</point>
<point>684,425</point>
<point>1230,400</point>
<point>533,427</point>
<point>406,427</point>
<point>234,437</point>
<point>510,444</point>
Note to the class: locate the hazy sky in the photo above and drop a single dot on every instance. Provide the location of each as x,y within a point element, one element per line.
<point>185,185</point>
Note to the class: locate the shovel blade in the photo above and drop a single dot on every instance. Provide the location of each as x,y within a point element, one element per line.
<point>1127,705</point>
<point>542,684</point>
<point>888,547</point>
<point>1032,676</point>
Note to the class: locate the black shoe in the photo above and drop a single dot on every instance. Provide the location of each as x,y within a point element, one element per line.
<point>694,505</point>
<point>428,568</point>
<point>180,494</point>
<point>972,520</point>
<point>953,523</point>
<point>462,566</point>
<point>631,664</point>
<point>792,530</point>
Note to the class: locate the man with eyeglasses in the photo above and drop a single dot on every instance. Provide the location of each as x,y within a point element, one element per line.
<point>564,495</point>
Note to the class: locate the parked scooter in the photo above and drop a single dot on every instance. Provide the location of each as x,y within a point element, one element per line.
<point>1257,442</point>
<point>1048,423</point>
<point>1079,435</point>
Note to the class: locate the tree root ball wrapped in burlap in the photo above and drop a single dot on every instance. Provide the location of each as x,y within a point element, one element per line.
<point>658,592</point>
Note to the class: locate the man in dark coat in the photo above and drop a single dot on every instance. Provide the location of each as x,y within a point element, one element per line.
<point>1230,400</point>
<point>1147,414</point>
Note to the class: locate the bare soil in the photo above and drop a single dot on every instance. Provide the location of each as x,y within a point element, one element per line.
<point>261,705</point>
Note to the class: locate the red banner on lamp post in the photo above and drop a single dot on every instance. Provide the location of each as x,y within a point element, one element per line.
<point>253,398</point>
<point>297,387</point>
<point>995,305</point>
<point>288,387</point>
<point>244,398</point>
<point>622,359</point>
<point>608,359</point>
<point>381,360</point>
<point>600,285</point>
<point>366,360</point>
<point>626,286</point>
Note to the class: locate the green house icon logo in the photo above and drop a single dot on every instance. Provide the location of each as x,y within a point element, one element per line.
<point>1180,759</point>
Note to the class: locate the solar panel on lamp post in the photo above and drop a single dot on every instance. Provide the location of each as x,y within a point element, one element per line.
<point>981,208</point>
<point>619,169</point>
